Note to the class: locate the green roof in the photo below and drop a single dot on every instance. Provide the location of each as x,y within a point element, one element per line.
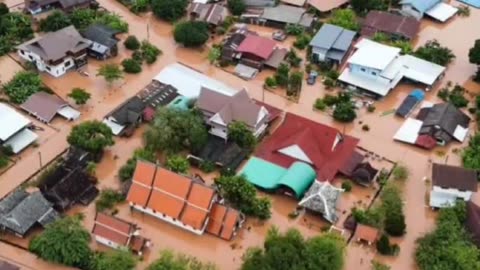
<point>269,176</point>
<point>180,103</point>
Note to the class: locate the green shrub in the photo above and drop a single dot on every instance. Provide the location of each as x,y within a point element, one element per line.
<point>131,66</point>
<point>207,166</point>
<point>302,41</point>
<point>108,198</point>
<point>149,52</point>
<point>330,100</point>
<point>271,82</point>
<point>371,108</point>
<point>400,172</point>
<point>329,83</point>
<point>132,43</point>
<point>347,186</point>
<point>320,104</point>
<point>22,86</point>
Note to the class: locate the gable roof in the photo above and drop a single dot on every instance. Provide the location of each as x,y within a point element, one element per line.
<point>454,177</point>
<point>366,233</point>
<point>373,54</point>
<point>129,112</point>
<point>287,14</point>
<point>472,222</point>
<point>325,146</point>
<point>404,26</point>
<point>421,5</point>
<point>322,197</point>
<point>326,5</point>
<point>333,37</point>
<point>57,45</point>
<point>223,221</point>
<point>259,46</point>
<point>442,121</point>
<point>12,122</point>
<point>43,105</point>
<point>210,13</point>
<point>113,229</point>
<point>101,34</point>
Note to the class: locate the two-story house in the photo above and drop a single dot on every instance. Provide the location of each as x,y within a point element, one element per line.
<point>450,183</point>
<point>56,52</point>
<point>435,9</point>
<point>331,43</point>
<point>220,110</point>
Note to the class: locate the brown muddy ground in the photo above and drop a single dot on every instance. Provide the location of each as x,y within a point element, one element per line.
<point>457,34</point>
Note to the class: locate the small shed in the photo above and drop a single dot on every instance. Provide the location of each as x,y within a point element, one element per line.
<point>366,233</point>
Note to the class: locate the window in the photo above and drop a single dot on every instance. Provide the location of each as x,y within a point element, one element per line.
<point>68,63</point>
<point>22,52</point>
<point>374,73</point>
<point>363,69</point>
<point>31,58</point>
<point>48,68</point>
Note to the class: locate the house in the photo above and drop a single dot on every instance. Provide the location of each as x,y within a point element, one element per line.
<point>104,41</point>
<point>46,106</point>
<point>322,198</point>
<point>37,6</point>
<point>366,233</point>
<point>331,43</point>
<point>125,118</point>
<point>435,9</point>
<point>325,6</point>
<point>230,46</point>
<point>224,222</point>
<point>118,233</point>
<point>212,14</point>
<point>156,95</point>
<point>220,110</point>
<point>20,211</point>
<point>15,131</point>
<point>393,25</point>
<point>376,69</point>
<point>410,102</point>
<point>450,183</point>
<point>56,52</point>
<point>255,50</point>
<point>472,222</point>
<point>280,16</point>
<point>296,3</point>
<point>259,3</point>
<point>4,265</point>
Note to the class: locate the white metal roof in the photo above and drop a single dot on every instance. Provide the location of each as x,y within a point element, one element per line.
<point>460,133</point>
<point>21,140</point>
<point>188,82</point>
<point>295,152</point>
<point>377,85</point>
<point>373,54</point>
<point>408,132</point>
<point>420,70</point>
<point>298,3</point>
<point>116,128</point>
<point>69,113</point>
<point>442,12</point>
<point>442,199</point>
<point>11,121</point>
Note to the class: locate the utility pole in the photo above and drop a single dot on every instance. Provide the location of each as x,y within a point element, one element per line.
<point>40,159</point>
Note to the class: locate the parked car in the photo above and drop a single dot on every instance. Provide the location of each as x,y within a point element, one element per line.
<point>312,77</point>
<point>279,35</point>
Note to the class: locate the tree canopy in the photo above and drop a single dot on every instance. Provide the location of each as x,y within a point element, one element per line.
<point>22,86</point>
<point>65,241</point>
<point>290,251</point>
<point>433,52</point>
<point>15,28</point>
<point>474,57</point>
<point>114,259</point>
<point>392,205</point>
<point>239,133</point>
<point>132,43</point>
<point>92,136</point>
<point>178,164</point>
<point>126,171</point>
<point>84,17</point>
<point>345,18</point>
<point>79,95</point>
<point>171,261</point>
<point>174,130</point>
<point>471,153</point>
<point>3,9</point>
<point>169,10</point>
<point>344,109</point>
<point>242,194</point>
<point>55,21</point>
<point>111,72</point>
<point>236,7</point>
<point>364,6</point>
<point>191,33</point>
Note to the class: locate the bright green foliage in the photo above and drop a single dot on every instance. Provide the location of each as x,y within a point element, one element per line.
<point>293,59</point>
<point>170,261</point>
<point>372,216</point>
<point>174,130</point>
<point>91,136</point>
<point>239,133</point>
<point>364,6</point>
<point>15,28</point>
<point>178,164</point>
<point>214,54</point>
<point>381,37</point>
<point>379,266</point>
<point>295,83</point>
<point>169,10</point>
<point>271,82</point>
<point>281,76</point>
<point>320,104</point>
<point>433,52</point>
<point>131,66</point>
<point>82,18</point>
<point>448,246</point>
<point>347,186</point>
<point>108,199</point>
<point>242,194</point>
<point>302,41</point>
<point>400,172</point>
<point>405,46</point>
<point>22,86</point>
<point>111,72</point>
<point>392,205</point>
<point>112,20</point>
<point>139,6</point>
<point>54,22</point>
<point>79,95</point>
<point>294,29</point>
<point>65,241</point>
<point>191,33</point>
<point>132,43</point>
<point>471,154</point>
<point>345,18</point>
<point>149,52</point>
<point>384,247</point>
<point>455,96</point>
<point>236,7</point>
<point>344,109</point>
<point>126,171</point>
<point>114,259</point>
<point>291,251</point>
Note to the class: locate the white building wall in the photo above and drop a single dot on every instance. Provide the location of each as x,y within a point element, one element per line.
<point>465,195</point>
<point>107,242</point>
<point>320,53</point>
<point>409,10</point>
<point>55,71</point>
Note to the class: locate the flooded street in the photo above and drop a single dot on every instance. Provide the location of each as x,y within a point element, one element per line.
<point>458,34</point>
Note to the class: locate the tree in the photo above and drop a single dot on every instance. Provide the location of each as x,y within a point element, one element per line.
<point>174,130</point>
<point>132,43</point>
<point>91,136</point>
<point>111,20</point>
<point>126,171</point>
<point>22,86</point>
<point>108,198</point>
<point>400,172</point>
<point>379,266</point>
<point>364,6</point>
<point>131,66</point>
<point>383,245</point>
<point>139,6</point>
<point>3,9</point>
<point>111,72</point>
<point>471,154</point>
<point>149,52</point>
<point>295,83</point>
<point>54,22</point>
<point>82,18</point>
<point>170,261</point>
<point>281,76</point>
<point>191,33</point>
<point>344,110</point>
<point>169,10</point>
<point>114,259</point>
<point>239,133</point>
<point>79,95</point>
<point>214,54</point>
<point>236,7</point>
<point>242,194</point>
<point>14,29</point>
<point>433,52</point>
<point>65,241</point>
<point>345,18</point>
<point>392,206</point>
<point>291,251</point>
<point>474,57</point>
<point>177,164</point>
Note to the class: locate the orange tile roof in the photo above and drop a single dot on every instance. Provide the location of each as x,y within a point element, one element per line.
<point>144,173</point>
<point>114,223</point>
<point>216,219</point>
<point>172,183</point>
<point>113,229</point>
<point>366,233</point>
<point>138,194</point>
<point>229,224</point>
<point>201,196</point>
<point>194,216</point>
<point>223,221</point>
<point>165,204</point>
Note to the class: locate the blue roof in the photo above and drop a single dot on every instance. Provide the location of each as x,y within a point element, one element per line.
<point>418,94</point>
<point>473,3</point>
<point>332,36</point>
<point>421,5</point>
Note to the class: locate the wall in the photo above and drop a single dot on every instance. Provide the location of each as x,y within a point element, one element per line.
<point>408,9</point>
<point>319,53</point>
<point>106,242</point>
<point>465,195</point>
<point>55,71</point>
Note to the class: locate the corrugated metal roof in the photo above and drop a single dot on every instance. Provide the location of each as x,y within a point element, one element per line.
<point>421,5</point>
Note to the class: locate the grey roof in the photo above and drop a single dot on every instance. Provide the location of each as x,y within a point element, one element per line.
<point>259,3</point>
<point>101,34</point>
<point>333,37</point>
<point>442,119</point>
<point>56,45</point>
<point>8,266</point>
<point>26,212</point>
<point>129,112</point>
<point>43,105</point>
<point>72,3</point>
<point>322,198</point>
<point>285,14</point>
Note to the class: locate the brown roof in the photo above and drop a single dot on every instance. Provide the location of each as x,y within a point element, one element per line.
<point>366,233</point>
<point>326,5</point>
<point>380,21</point>
<point>472,222</point>
<point>113,229</point>
<point>211,101</point>
<point>200,196</point>
<point>454,177</point>
<point>43,105</point>
<point>57,45</point>
<point>276,58</point>
<point>223,221</point>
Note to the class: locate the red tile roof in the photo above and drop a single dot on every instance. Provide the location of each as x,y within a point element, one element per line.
<point>138,194</point>
<point>113,229</point>
<point>257,45</point>
<point>223,221</point>
<point>315,140</point>
<point>366,233</point>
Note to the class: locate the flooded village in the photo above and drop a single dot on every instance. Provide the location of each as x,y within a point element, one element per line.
<point>202,147</point>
